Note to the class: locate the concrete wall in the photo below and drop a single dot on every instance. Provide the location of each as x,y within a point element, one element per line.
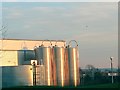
<point>9,58</point>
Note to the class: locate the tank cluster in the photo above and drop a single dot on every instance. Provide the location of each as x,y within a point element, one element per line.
<point>60,62</point>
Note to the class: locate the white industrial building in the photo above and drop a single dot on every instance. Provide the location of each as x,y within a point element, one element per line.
<point>55,64</point>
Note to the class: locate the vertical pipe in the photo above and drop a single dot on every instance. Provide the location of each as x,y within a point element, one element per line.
<point>24,51</point>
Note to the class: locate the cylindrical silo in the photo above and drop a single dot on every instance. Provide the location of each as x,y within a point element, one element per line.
<point>44,53</point>
<point>73,59</point>
<point>59,56</point>
<point>47,62</point>
<point>66,68</point>
<point>53,67</point>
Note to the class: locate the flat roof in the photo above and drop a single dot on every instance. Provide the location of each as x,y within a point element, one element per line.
<point>32,39</point>
<point>29,44</point>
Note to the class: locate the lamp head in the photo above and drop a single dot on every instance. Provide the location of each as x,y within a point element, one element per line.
<point>111,58</point>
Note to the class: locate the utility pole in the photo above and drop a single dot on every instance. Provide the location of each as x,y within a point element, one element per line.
<point>111,58</point>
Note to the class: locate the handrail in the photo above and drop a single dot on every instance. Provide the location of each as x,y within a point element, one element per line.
<point>71,41</point>
<point>43,42</point>
<point>56,43</point>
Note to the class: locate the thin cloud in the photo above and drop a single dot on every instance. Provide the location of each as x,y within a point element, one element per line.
<point>43,9</point>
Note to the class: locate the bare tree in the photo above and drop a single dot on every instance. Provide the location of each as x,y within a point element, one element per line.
<point>3,32</point>
<point>90,71</point>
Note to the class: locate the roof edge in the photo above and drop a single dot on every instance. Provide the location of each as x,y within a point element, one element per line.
<point>31,39</point>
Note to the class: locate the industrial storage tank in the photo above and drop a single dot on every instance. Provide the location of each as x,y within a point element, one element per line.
<point>53,67</point>
<point>73,58</point>
<point>17,76</point>
<point>66,68</point>
<point>43,53</point>
<point>59,57</point>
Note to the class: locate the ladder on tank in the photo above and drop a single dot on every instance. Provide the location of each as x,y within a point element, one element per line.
<point>40,75</point>
<point>37,75</point>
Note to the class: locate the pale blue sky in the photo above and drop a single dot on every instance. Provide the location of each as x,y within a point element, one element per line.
<point>68,21</point>
<point>60,0</point>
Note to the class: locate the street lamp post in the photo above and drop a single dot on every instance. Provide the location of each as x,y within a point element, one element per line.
<point>111,58</point>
